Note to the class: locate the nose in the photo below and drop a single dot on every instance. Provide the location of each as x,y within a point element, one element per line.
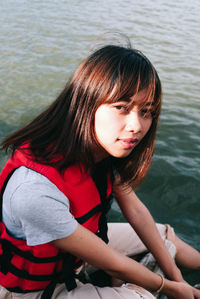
<point>133,122</point>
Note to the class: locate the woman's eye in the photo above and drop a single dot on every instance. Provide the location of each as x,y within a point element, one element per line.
<point>146,113</point>
<point>121,108</point>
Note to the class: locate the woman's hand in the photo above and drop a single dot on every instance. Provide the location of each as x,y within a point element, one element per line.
<point>196,293</point>
<point>180,290</point>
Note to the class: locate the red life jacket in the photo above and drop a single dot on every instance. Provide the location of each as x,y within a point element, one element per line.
<point>26,268</point>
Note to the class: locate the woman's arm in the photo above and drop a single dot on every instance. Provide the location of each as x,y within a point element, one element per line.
<point>141,220</point>
<point>86,245</point>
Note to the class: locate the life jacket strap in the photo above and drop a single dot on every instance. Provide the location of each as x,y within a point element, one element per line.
<point>11,248</point>
<point>5,259</point>
<point>6,265</point>
<point>48,291</point>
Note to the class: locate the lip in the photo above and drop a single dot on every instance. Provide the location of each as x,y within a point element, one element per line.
<point>128,143</point>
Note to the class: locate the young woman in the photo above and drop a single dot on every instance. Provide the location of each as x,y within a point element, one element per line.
<point>95,140</point>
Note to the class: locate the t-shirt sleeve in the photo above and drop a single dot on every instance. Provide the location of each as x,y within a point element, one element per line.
<point>42,211</point>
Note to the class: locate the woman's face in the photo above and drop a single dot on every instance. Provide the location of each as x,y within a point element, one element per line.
<point>120,127</point>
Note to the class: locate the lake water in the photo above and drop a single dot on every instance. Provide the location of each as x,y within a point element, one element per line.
<point>41,44</point>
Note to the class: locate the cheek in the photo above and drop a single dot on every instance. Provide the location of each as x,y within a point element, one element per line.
<point>106,126</point>
<point>103,130</point>
<point>147,125</point>
<point>104,120</point>
<point>100,123</point>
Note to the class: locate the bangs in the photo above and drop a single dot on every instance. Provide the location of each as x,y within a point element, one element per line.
<point>135,77</point>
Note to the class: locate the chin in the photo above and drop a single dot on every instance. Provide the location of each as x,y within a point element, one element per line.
<point>124,155</point>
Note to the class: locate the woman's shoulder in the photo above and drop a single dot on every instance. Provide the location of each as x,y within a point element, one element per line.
<point>27,183</point>
<point>32,206</point>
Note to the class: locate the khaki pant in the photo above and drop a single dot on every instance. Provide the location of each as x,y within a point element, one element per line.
<point>122,238</point>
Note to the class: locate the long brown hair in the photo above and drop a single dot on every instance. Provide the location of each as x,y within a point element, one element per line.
<point>63,134</point>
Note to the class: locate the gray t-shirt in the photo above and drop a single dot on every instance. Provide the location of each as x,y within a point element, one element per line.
<point>34,209</point>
